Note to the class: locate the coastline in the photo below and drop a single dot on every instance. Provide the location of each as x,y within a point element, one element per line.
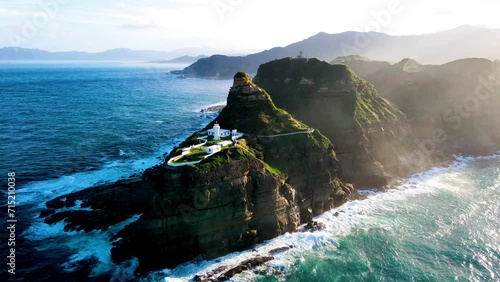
<point>339,221</point>
<point>55,204</point>
<point>206,266</point>
<point>137,178</point>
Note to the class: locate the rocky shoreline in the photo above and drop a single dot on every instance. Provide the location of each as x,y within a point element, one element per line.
<point>226,272</point>
<point>213,109</point>
<point>249,193</point>
<point>261,187</point>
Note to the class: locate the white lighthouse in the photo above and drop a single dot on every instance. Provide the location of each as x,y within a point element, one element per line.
<point>216,131</point>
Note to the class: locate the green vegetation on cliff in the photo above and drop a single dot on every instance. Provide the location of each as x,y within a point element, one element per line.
<point>297,84</point>
<point>459,99</point>
<point>250,110</point>
<point>279,175</point>
<point>365,128</point>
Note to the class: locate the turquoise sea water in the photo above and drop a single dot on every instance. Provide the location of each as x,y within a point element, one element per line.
<point>67,126</point>
<point>441,225</point>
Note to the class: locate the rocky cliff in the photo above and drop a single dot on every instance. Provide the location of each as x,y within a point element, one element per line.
<point>279,175</point>
<point>372,138</point>
<point>453,108</point>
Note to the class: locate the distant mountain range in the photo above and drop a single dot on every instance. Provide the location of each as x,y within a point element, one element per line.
<point>181,60</point>
<point>122,54</point>
<point>436,48</point>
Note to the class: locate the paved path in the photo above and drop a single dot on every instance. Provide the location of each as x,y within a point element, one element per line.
<point>172,160</point>
<point>205,141</point>
<point>308,131</point>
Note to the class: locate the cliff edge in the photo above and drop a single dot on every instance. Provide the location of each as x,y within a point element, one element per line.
<point>373,139</point>
<point>279,175</point>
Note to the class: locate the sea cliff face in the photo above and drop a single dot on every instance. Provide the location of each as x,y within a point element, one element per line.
<point>373,140</point>
<point>278,176</point>
<point>260,188</point>
<point>283,172</point>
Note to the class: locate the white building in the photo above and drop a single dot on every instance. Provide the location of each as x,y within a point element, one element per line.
<point>225,143</point>
<point>212,149</point>
<point>219,133</point>
<point>186,151</point>
<point>301,56</point>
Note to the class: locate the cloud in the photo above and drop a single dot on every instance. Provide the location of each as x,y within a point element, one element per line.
<point>140,25</point>
<point>186,3</point>
<point>6,12</point>
<point>444,12</point>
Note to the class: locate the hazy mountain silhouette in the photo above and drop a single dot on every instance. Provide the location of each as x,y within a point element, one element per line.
<point>120,54</point>
<point>181,60</point>
<point>436,48</point>
<point>459,99</point>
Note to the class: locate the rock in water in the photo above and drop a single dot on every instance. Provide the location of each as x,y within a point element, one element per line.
<point>225,273</point>
<point>213,109</point>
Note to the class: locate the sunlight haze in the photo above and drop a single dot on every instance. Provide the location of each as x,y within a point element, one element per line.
<point>238,26</point>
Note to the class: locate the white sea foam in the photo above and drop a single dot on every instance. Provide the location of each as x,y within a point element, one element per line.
<point>95,244</point>
<point>92,245</point>
<point>125,271</point>
<point>85,245</point>
<point>41,191</point>
<point>40,231</point>
<point>221,103</point>
<point>339,222</point>
<point>367,192</point>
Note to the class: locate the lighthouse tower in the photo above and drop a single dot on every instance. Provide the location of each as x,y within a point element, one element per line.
<point>216,130</point>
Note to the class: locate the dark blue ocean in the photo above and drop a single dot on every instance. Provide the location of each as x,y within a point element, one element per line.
<point>67,126</point>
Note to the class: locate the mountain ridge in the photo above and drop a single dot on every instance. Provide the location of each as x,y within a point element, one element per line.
<point>438,47</point>
<point>180,60</point>
<point>117,54</point>
<point>457,99</point>
<point>372,137</point>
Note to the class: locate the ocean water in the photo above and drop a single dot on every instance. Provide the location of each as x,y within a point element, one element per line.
<point>440,225</point>
<point>67,126</point>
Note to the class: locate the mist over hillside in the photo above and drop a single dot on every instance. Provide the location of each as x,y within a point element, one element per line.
<point>458,100</point>
<point>436,48</point>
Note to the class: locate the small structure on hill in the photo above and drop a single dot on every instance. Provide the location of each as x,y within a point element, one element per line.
<point>301,56</point>
<point>217,133</point>
<point>195,154</point>
<point>225,143</point>
<point>213,149</point>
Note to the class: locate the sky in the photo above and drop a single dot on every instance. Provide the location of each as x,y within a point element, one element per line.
<point>238,26</point>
